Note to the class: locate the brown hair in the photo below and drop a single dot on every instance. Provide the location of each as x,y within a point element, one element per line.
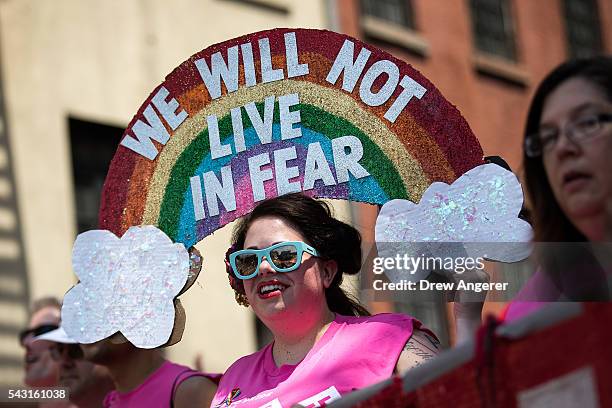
<point>41,303</point>
<point>333,239</point>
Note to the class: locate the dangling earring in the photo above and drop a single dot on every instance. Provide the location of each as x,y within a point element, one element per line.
<point>241,299</point>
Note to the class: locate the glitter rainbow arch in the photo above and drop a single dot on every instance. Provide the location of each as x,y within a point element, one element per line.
<point>428,141</point>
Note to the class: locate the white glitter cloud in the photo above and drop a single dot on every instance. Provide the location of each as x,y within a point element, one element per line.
<point>478,210</point>
<point>125,285</point>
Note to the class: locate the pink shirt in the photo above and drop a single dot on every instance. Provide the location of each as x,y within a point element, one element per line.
<point>157,390</point>
<point>353,353</point>
<point>537,292</point>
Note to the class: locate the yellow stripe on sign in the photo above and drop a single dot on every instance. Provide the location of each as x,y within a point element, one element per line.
<point>330,100</point>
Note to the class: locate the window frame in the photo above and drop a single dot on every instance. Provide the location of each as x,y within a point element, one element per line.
<point>571,47</point>
<point>408,11</point>
<point>380,30</point>
<point>510,32</point>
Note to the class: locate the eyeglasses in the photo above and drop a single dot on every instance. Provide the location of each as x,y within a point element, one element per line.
<point>36,331</point>
<point>60,350</point>
<point>282,257</point>
<point>578,131</point>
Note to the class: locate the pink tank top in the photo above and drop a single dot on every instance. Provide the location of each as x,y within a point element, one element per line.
<point>157,390</point>
<point>353,353</point>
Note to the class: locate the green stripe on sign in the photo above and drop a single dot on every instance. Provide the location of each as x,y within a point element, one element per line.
<point>374,160</point>
<point>313,118</point>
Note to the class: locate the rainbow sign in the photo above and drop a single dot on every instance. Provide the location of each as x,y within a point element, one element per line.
<point>275,112</point>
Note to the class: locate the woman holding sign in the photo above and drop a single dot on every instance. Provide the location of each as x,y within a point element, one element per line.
<point>567,146</point>
<point>568,143</point>
<point>287,262</point>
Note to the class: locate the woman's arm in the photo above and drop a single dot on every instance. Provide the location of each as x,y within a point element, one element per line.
<point>420,347</point>
<point>195,391</point>
<point>467,320</point>
<point>468,305</point>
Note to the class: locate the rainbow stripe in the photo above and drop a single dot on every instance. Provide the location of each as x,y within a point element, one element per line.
<point>430,141</point>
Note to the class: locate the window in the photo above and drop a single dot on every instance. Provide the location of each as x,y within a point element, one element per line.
<point>93,146</point>
<point>395,11</point>
<point>391,23</point>
<point>493,28</point>
<point>582,28</point>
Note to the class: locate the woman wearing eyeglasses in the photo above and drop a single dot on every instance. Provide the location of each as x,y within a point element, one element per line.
<point>568,148</point>
<point>287,262</point>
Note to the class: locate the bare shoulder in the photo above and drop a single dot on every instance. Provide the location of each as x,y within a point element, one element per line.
<point>419,348</point>
<point>195,392</point>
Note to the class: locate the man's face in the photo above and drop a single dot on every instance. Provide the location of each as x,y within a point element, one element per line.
<point>99,352</point>
<point>105,351</point>
<point>75,373</point>
<point>40,369</point>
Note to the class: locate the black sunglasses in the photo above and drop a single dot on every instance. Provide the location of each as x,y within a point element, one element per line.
<point>36,331</point>
<point>73,351</point>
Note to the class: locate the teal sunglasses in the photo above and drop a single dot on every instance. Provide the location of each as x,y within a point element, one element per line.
<point>282,257</point>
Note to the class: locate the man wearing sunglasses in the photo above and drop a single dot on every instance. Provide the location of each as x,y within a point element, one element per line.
<point>87,383</point>
<point>40,369</point>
